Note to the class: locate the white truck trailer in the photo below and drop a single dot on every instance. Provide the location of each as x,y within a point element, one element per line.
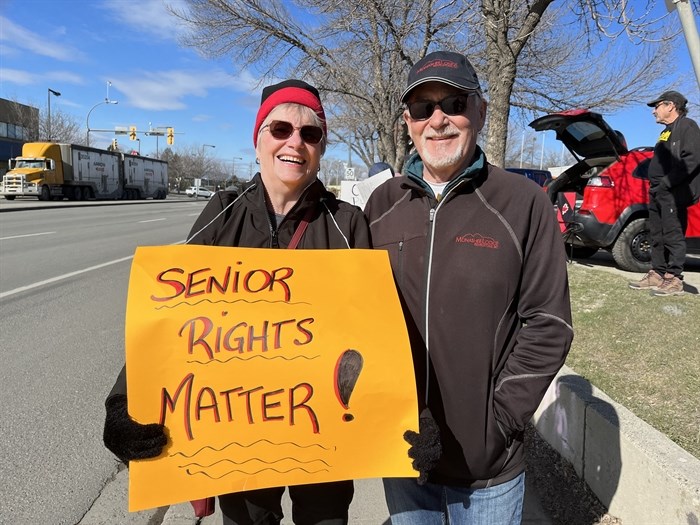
<point>52,171</point>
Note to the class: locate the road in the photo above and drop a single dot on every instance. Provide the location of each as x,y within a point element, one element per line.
<point>63,282</point>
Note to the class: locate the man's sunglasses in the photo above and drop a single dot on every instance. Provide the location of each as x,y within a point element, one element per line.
<point>452,105</point>
<point>282,130</point>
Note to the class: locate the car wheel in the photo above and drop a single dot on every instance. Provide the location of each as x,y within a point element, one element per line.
<point>10,197</point>
<point>632,249</point>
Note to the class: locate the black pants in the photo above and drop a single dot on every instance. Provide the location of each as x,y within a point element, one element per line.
<point>668,219</point>
<point>317,504</point>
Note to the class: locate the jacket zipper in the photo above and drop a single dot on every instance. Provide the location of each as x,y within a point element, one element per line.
<point>274,239</point>
<point>431,235</point>
<point>431,226</point>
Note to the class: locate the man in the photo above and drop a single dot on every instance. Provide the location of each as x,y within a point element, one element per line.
<point>674,185</point>
<point>480,265</point>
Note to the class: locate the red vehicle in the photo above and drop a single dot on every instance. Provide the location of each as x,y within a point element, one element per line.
<point>602,200</point>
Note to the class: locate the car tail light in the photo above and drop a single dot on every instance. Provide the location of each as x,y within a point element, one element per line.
<point>601,182</point>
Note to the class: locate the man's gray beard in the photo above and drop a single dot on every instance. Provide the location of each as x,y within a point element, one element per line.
<point>442,161</point>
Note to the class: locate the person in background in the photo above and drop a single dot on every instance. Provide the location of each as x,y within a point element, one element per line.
<point>378,167</point>
<point>284,204</point>
<point>674,185</point>
<point>481,270</point>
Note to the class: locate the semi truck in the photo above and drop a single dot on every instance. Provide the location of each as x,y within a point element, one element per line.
<point>53,171</point>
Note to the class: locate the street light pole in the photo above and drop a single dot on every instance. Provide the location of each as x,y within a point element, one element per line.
<point>233,167</point>
<point>87,120</point>
<point>203,167</point>
<point>48,96</point>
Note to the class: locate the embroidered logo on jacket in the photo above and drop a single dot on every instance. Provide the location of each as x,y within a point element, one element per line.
<point>664,136</point>
<point>477,240</point>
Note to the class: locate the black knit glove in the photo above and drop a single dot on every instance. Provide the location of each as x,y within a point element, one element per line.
<point>425,445</point>
<point>126,438</point>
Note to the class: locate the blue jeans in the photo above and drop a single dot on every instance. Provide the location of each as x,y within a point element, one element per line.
<point>431,504</point>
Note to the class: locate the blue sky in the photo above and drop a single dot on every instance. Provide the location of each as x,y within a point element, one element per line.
<point>78,47</point>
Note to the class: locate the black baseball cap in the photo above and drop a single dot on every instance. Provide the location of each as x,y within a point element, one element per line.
<point>447,67</point>
<point>671,96</point>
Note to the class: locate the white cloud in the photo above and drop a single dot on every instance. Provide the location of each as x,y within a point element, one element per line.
<point>166,90</point>
<point>15,76</point>
<point>148,16</point>
<point>23,38</point>
<point>202,118</point>
<point>66,77</point>
<point>28,78</point>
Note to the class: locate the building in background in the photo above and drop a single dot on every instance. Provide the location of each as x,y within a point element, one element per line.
<point>15,129</point>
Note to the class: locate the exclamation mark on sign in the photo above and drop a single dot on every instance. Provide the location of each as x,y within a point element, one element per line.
<point>347,370</point>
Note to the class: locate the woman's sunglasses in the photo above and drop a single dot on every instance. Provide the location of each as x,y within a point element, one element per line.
<point>281,130</point>
<point>452,105</point>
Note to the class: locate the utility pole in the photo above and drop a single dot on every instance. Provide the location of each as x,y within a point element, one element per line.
<point>685,13</point>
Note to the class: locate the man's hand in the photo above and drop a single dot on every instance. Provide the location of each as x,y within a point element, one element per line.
<point>126,438</point>
<point>426,448</point>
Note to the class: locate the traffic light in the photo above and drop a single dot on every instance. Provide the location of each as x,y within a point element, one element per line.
<point>171,136</point>
<point>132,132</point>
<point>114,145</point>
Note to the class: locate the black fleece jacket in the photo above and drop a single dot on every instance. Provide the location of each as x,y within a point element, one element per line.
<point>676,161</point>
<point>482,277</point>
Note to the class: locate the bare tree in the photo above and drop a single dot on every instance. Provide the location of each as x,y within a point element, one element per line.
<point>194,162</point>
<point>532,56</point>
<point>64,127</point>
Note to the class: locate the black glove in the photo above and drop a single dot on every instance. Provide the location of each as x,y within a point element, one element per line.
<point>425,445</point>
<point>126,438</point>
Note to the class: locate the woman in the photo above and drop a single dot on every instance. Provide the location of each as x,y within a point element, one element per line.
<point>284,206</point>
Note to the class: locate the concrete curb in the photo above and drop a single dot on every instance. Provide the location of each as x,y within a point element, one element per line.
<point>639,474</point>
<point>26,204</point>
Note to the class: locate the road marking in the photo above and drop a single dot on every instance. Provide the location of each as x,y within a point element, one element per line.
<point>27,235</point>
<point>152,220</point>
<point>68,275</point>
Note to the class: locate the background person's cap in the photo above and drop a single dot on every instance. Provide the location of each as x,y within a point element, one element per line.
<point>672,96</point>
<point>447,67</point>
<point>378,167</point>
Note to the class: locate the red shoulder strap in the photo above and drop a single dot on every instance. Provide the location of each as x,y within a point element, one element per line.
<point>299,232</point>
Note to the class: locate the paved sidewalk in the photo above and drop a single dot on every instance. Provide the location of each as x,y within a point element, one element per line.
<point>367,508</point>
<point>603,261</point>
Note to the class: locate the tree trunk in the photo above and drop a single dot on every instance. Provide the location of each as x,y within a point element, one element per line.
<point>500,89</point>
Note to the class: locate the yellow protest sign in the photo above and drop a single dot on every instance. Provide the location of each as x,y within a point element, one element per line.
<point>267,368</point>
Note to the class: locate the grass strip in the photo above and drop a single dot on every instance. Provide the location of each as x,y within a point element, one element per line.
<point>643,351</point>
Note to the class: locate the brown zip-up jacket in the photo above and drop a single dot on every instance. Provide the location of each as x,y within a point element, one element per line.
<point>482,277</point>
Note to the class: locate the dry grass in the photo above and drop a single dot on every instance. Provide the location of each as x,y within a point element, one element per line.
<point>643,351</point>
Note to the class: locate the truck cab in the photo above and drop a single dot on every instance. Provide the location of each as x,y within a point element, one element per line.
<point>33,173</point>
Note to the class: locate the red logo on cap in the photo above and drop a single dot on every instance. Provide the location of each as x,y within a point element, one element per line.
<point>439,63</point>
